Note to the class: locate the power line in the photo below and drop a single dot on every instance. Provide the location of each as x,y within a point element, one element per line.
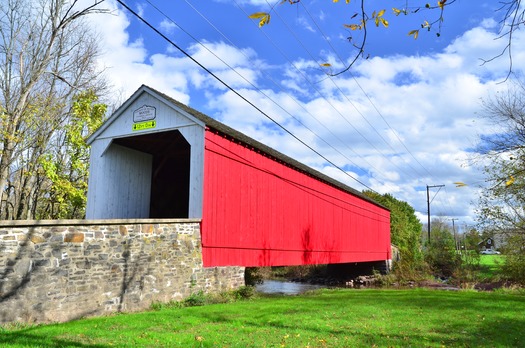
<point>259,90</point>
<point>308,81</point>
<point>270,78</point>
<point>366,95</point>
<point>235,92</point>
<point>305,78</point>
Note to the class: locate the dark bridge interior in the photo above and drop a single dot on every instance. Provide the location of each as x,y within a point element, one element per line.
<point>170,179</point>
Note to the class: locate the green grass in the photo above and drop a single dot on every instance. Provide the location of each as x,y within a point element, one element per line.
<point>490,265</point>
<point>328,318</point>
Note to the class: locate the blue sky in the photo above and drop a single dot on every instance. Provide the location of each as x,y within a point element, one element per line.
<point>407,117</point>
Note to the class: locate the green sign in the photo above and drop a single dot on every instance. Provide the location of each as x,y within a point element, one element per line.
<point>144,125</point>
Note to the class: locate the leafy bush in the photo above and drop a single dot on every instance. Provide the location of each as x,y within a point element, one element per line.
<point>201,299</point>
<point>157,306</point>
<point>406,271</point>
<point>196,299</point>
<point>405,232</point>
<point>514,266</point>
<point>441,254</point>
<point>244,292</point>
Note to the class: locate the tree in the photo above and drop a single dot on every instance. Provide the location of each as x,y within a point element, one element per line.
<point>472,240</point>
<point>68,168</point>
<point>363,16</point>
<point>501,207</point>
<point>441,254</point>
<point>502,202</point>
<point>405,232</point>
<point>46,55</point>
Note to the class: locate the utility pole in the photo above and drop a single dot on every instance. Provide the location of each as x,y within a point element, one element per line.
<point>428,205</point>
<point>454,230</point>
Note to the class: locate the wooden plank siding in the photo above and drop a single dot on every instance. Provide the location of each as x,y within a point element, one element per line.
<point>120,187</point>
<point>261,212</point>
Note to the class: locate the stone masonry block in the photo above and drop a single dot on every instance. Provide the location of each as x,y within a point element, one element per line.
<point>123,230</point>
<point>37,239</point>
<point>148,229</point>
<point>74,237</point>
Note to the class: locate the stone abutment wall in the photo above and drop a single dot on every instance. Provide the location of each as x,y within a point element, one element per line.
<point>63,270</point>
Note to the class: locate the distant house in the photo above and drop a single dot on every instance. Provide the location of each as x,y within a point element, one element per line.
<point>486,244</point>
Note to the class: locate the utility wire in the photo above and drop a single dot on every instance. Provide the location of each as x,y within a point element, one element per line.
<point>268,97</point>
<point>259,90</point>
<point>305,78</point>
<point>236,93</point>
<point>339,90</point>
<point>270,78</point>
<point>320,94</point>
<point>366,95</point>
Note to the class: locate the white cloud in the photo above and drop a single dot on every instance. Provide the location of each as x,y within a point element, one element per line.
<point>167,26</point>
<point>425,103</point>
<point>128,64</point>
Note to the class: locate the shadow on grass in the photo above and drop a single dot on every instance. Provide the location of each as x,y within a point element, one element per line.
<point>26,338</point>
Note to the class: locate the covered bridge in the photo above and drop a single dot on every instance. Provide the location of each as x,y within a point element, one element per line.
<point>157,158</point>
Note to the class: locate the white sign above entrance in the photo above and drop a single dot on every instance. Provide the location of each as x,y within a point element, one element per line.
<point>144,113</point>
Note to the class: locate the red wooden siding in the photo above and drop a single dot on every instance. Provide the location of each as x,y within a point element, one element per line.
<point>259,212</point>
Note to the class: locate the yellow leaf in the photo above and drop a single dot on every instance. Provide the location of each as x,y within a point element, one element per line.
<point>381,13</point>
<point>264,21</point>
<point>397,12</point>
<point>384,22</point>
<point>441,3</point>
<point>460,184</point>
<point>257,15</point>
<point>510,181</point>
<point>326,65</point>
<point>263,16</point>
<point>347,1</point>
<point>415,33</point>
<point>352,26</point>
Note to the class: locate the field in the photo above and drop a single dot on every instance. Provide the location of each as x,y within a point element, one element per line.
<point>490,265</point>
<point>327,318</point>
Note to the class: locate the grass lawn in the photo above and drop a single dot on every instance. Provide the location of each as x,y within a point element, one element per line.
<point>490,265</point>
<point>327,318</point>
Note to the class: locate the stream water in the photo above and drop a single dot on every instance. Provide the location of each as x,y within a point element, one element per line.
<point>285,288</point>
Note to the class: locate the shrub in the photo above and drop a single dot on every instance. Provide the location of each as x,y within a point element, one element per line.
<point>441,254</point>
<point>244,292</point>
<point>514,266</point>
<point>406,271</point>
<point>196,299</point>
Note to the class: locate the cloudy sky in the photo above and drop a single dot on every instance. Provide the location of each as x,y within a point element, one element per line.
<point>406,117</point>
